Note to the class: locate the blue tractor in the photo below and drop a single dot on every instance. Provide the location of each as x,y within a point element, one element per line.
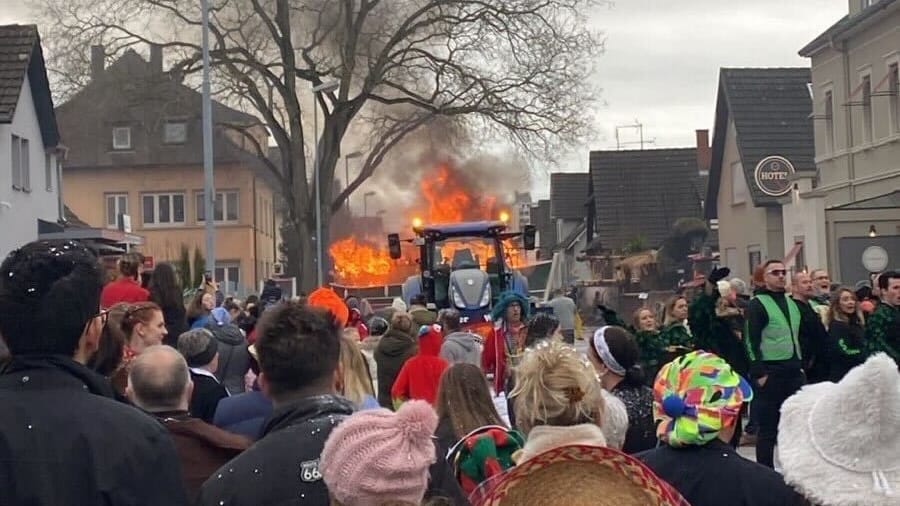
<point>463,265</point>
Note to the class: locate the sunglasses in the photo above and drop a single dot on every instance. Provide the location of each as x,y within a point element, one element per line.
<point>777,272</point>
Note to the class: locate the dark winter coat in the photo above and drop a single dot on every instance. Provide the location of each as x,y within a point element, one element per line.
<point>848,347</point>
<point>207,394</point>
<point>394,349</point>
<point>234,359</point>
<point>814,344</point>
<point>715,474</point>
<point>638,400</point>
<point>176,324</point>
<point>283,466</point>
<point>243,413</point>
<point>65,441</point>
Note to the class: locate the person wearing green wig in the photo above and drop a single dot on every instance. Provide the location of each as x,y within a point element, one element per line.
<point>697,401</point>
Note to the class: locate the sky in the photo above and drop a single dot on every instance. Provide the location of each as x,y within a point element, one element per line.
<point>662,59</point>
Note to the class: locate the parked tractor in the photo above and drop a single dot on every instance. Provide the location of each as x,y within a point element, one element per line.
<point>463,265</point>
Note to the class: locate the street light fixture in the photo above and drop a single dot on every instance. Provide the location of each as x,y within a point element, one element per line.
<point>366,202</point>
<point>327,87</point>
<point>355,154</point>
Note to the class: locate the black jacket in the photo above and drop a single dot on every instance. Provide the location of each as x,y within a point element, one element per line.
<point>393,350</point>
<point>176,324</point>
<point>207,394</point>
<point>283,466</point>
<point>234,359</point>
<point>813,343</point>
<point>757,319</point>
<point>65,441</point>
<point>848,344</point>
<point>715,474</point>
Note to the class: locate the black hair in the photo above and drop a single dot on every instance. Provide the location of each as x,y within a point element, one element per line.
<point>884,279</point>
<point>449,319</point>
<point>164,287</point>
<point>251,299</point>
<point>49,292</point>
<point>541,326</point>
<point>297,347</point>
<point>770,262</point>
<point>418,299</point>
<point>624,348</point>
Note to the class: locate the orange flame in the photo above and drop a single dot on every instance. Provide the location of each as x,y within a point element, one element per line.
<point>360,264</point>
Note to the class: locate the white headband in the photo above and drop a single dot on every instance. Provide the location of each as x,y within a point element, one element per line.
<point>602,350</point>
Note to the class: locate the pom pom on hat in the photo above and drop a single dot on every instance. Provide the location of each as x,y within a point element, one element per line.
<point>326,298</point>
<point>674,406</point>
<point>376,456</point>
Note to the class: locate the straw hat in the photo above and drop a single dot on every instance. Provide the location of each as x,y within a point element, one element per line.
<point>581,476</point>
<point>839,444</point>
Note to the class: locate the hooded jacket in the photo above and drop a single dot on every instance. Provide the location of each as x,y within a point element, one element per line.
<point>234,359</point>
<point>420,375</point>
<point>65,441</point>
<point>392,351</point>
<point>462,347</point>
<point>283,466</point>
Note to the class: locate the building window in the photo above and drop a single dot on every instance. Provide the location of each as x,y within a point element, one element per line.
<point>121,138</point>
<point>228,275</point>
<point>226,207</point>
<point>49,163</point>
<point>829,120</point>
<point>894,87</point>
<point>754,256</point>
<point>21,173</point>
<point>163,208</point>
<point>116,204</point>
<point>868,127</point>
<point>738,184</point>
<point>175,132</point>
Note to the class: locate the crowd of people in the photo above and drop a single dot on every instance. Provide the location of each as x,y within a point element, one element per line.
<point>120,394</point>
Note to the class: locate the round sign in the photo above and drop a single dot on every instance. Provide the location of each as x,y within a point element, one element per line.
<point>773,175</point>
<point>875,259</point>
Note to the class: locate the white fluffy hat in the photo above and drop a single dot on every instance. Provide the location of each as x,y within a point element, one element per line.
<point>839,444</point>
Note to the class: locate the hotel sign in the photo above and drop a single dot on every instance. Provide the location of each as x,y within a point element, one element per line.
<point>773,175</point>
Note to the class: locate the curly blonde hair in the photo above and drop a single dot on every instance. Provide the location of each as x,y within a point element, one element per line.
<point>555,385</point>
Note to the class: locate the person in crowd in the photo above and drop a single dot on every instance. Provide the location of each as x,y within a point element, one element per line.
<point>542,326</point>
<point>644,327</point>
<point>506,341</point>
<point>271,294</point>
<point>378,457</point>
<point>615,355</point>
<point>160,384</point>
<point>674,331</point>
<point>813,336</point>
<point>245,413</point>
<point>378,326</point>
<point>201,350</point>
<point>396,347</point>
<point>420,313</point>
<point>356,321</point>
<point>564,309</point>
<point>210,286</point>
<point>463,404</point>
<point>773,344</point>
<point>329,300</point>
<point>460,346</point>
<point>697,400</point>
<point>420,375</point>
<point>200,309</point>
<point>166,292</point>
<point>717,322</point>
<point>59,420</point>
<point>143,326</point>
<point>849,459</point>
<point>127,287</point>
<point>578,475</point>
<point>234,359</point>
<point>356,384</point>
<point>846,330</point>
<point>883,326</point>
<point>111,349</point>
<point>821,282</point>
<point>299,350</point>
<point>557,399</point>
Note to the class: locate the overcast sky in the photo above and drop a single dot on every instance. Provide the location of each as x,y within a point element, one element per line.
<point>662,60</point>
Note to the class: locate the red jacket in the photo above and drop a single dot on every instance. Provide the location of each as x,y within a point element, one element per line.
<point>122,290</point>
<point>494,355</point>
<point>420,375</point>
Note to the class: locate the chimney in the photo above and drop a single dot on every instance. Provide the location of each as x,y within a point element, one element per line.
<point>98,56</point>
<point>704,153</point>
<point>156,60</point>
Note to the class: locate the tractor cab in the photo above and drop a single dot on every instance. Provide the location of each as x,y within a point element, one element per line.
<point>463,265</point>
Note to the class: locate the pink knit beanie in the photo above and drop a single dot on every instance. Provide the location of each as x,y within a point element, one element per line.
<point>376,456</point>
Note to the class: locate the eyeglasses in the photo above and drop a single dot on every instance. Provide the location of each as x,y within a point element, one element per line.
<point>777,272</point>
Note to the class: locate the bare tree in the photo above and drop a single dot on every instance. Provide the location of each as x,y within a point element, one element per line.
<point>518,69</point>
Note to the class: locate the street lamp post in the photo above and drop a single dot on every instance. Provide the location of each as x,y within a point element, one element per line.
<point>326,87</point>
<point>355,154</point>
<point>366,202</point>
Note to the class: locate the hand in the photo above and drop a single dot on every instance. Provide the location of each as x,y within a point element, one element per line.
<point>718,274</point>
<point>761,381</point>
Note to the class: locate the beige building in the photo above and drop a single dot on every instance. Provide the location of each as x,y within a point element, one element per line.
<point>135,140</point>
<point>855,83</point>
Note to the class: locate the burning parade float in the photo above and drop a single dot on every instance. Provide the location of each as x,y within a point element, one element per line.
<point>460,255</point>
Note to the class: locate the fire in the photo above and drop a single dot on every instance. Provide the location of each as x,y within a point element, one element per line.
<point>448,197</point>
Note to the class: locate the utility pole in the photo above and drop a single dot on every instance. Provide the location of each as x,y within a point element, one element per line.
<point>209,191</point>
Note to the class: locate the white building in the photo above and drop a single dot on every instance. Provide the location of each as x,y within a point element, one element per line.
<point>29,140</point>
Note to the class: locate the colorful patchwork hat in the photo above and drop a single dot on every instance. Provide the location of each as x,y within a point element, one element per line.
<point>695,396</point>
<point>484,453</point>
<point>580,475</point>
